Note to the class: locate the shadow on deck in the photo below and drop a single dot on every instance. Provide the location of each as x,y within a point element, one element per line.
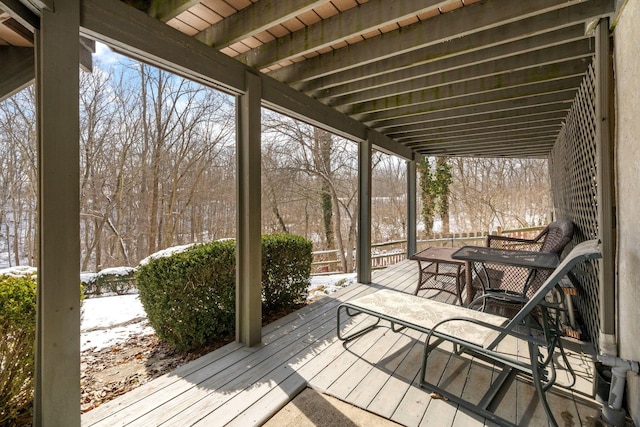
<point>242,386</point>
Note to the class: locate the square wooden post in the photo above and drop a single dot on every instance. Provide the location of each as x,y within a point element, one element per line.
<point>363,249</point>
<point>249,240</point>
<point>57,387</point>
<point>412,240</point>
<point>605,193</point>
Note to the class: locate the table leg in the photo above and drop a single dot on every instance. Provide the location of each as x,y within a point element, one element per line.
<point>467,281</point>
<point>419,278</point>
<point>458,285</point>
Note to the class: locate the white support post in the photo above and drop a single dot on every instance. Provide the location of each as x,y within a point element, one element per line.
<point>363,249</point>
<point>249,241</point>
<point>411,208</point>
<point>57,388</point>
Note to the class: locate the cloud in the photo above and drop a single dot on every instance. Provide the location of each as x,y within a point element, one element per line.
<point>104,55</point>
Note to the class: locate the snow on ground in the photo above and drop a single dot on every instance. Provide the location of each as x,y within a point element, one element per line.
<point>325,285</point>
<point>111,320</point>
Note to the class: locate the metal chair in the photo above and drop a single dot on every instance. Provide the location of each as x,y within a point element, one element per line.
<point>517,280</point>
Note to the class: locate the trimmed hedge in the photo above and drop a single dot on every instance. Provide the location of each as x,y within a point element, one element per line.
<point>18,327</point>
<point>117,281</point>
<point>286,268</point>
<point>189,296</point>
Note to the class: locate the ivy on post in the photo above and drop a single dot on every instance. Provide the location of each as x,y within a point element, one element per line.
<point>435,181</point>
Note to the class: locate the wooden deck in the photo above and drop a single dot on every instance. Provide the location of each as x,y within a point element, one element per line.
<point>242,386</point>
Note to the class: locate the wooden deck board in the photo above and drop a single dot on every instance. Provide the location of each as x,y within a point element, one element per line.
<point>398,382</point>
<point>378,371</point>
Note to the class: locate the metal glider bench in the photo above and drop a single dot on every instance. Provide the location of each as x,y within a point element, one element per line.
<point>479,333</point>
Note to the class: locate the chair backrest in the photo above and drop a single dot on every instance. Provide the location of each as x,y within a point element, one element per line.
<point>581,252</point>
<point>556,236</point>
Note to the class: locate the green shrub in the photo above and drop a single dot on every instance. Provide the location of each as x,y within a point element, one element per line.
<point>18,325</point>
<point>118,281</point>
<point>189,297</point>
<point>286,268</point>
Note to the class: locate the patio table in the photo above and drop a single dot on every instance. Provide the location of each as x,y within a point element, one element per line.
<point>532,260</point>
<point>433,258</point>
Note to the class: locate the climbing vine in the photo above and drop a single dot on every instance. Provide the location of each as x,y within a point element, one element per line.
<point>435,181</point>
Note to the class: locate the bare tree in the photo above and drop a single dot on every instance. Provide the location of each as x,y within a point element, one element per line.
<point>19,176</point>
<point>329,164</point>
<point>506,193</point>
<point>158,169</point>
<point>389,202</point>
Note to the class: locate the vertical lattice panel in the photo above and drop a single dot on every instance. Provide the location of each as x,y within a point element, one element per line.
<point>573,166</point>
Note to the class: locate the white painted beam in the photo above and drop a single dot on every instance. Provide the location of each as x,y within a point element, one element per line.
<point>57,392</point>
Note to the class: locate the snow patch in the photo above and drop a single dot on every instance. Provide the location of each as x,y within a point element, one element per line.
<point>19,271</point>
<point>166,252</point>
<point>110,320</point>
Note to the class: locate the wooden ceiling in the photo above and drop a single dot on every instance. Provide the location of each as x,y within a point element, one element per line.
<point>482,78</point>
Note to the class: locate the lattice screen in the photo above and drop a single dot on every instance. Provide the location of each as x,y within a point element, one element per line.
<point>573,176</point>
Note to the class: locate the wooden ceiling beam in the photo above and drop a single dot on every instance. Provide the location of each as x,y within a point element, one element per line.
<point>499,152</point>
<point>166,10</point>
<point>472,19</point>
<point>254,19</point>
<point>481,138</point>
<point>356,21</point>
<point>442,57</point>
<point>507,118</point>
<point>530,63</point>
<point>534,147</point>
<point>532,138</point>
<point>27,17</point>
<point>421,115</point>
<point>511,128</point>
<point>512,144</point>
<point>18,70</point>
<point>496,88</point>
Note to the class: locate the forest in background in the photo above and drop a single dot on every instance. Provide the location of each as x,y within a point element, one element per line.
<point>158,170</point>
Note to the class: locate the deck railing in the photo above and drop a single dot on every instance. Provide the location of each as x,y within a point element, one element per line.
<point>388,253</point>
